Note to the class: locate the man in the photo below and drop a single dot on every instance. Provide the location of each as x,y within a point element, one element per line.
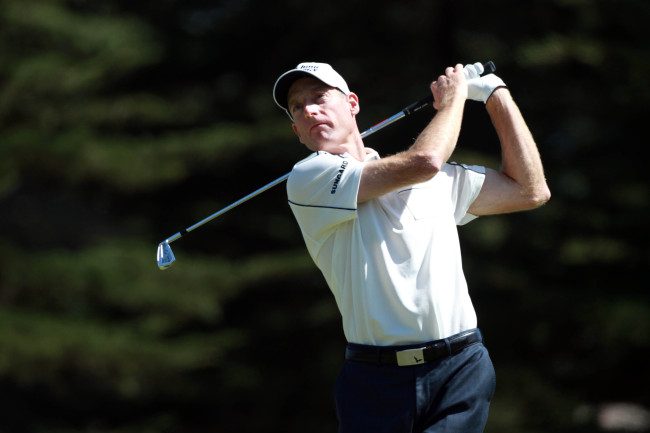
<point>383,233</point>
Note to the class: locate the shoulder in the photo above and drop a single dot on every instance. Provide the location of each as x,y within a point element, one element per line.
<point>325,180</point>
<point>319,163</point>
<point>317,160</point>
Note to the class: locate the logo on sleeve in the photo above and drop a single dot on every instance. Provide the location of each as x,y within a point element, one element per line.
<point>335,185</point>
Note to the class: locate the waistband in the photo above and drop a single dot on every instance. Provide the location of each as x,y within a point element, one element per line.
<point>414,354</point>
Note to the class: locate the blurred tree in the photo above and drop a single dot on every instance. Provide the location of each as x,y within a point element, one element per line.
<point>124,122</point>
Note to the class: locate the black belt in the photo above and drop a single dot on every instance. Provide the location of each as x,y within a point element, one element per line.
<point>413,354</point>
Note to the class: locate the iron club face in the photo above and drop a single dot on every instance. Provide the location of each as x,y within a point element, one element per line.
<point>165,256</point>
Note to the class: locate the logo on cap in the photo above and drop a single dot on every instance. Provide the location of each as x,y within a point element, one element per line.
<point>309,68</point>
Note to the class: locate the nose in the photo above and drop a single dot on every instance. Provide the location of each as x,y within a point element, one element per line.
<point>311,110</point>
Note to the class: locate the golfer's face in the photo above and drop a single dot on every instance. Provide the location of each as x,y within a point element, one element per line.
<point>321,113</point>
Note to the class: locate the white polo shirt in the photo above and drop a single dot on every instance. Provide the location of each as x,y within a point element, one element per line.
<point>393,263</point>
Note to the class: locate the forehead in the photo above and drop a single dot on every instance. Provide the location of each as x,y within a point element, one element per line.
<point>305,85</point>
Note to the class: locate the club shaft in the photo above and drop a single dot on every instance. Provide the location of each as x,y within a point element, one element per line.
<point>488,68</point>
<point>227,208</point>
<point>281,179</point>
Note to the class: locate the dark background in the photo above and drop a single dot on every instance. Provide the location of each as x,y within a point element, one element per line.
<point>123,122</point>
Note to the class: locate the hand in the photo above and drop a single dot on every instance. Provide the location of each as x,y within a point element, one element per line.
<point>449,86</point>
<point>480,88</point>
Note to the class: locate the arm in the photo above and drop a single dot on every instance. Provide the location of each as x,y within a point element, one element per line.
<point>432,148</point>
<point>520,184</point>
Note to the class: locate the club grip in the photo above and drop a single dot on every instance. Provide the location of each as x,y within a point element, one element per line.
<point>488,68</point>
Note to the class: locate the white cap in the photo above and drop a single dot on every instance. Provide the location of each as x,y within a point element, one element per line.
<point>322,71</point>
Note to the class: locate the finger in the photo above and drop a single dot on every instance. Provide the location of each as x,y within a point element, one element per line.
<point>436,104</point>
<point>470,71</point>
<point>473,70</point>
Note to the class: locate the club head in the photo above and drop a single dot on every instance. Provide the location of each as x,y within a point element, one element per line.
<point>165,256</point>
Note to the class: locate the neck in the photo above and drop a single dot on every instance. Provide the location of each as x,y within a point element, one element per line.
<point>353,145</point>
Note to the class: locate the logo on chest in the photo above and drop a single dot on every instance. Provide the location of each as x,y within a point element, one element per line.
<point>335,185</point>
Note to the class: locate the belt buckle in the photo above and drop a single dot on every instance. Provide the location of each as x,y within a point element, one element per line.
<point>410,357</point>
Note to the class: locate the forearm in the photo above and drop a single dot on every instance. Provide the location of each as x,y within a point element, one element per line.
<point>431,149</point>
<point>520,157</point>
<point>438,140</point>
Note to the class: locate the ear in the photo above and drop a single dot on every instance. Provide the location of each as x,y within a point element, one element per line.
<point>353,101</point>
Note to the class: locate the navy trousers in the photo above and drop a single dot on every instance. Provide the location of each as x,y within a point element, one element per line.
<point>450,395</point>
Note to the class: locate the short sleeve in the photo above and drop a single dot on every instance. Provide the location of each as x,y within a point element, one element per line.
<point>468,181</point>
<point>322,191</point>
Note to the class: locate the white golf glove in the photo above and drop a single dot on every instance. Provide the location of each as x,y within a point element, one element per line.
<point>480,88</point>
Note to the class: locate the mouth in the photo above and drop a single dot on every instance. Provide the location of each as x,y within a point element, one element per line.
<point>316,126</point>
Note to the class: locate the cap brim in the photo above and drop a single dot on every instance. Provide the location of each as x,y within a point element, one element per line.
<point>281,89</point>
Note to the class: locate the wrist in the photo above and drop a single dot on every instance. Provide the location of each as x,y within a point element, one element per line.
<point>498,94</point>
<point>452,101</point>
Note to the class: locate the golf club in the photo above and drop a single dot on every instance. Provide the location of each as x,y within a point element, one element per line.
<point>165,257</point>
